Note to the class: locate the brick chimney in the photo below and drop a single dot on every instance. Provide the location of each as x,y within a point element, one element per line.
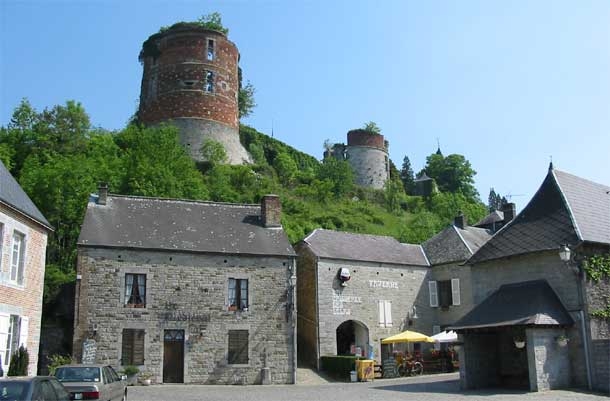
<point>102,193</point>
<point>460,221</point>
<point>271,211</point>
<point>510,211</point>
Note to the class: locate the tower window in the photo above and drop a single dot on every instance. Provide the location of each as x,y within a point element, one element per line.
<point>209,81</point>
<point>211,50</point>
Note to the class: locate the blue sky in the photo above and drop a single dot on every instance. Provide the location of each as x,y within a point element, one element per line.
<point>508,84</point>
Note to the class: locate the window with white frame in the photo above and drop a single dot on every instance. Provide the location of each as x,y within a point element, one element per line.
<point>17,262</point>
<point>13,334</point>
<point>211,50</point>
<point>444,293</point>
<point>238,294</point>
<point>135,290</point>
<point>209,82</point>
<point>385,313</point>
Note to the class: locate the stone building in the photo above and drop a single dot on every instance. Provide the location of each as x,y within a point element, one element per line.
<point>367,154</point>
<point>190,292</point>
<point>449,286</point>
<point>382,297</point>
<point>527,298</point>
<point>23,243</point>
<point>191,80</point>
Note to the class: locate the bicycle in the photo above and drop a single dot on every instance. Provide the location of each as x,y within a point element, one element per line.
<point>410,368</point>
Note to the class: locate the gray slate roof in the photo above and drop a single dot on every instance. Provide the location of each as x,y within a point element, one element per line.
<point>491,218</point>
<point>455,244</point>
<point>182,226</point>
<point>14,196</point>
<point>364,247</point>
<point>529,303</point>
<point>565,210</point>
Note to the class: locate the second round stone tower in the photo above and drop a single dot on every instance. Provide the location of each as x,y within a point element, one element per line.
<point>367,153</point>
<point>190,80</point>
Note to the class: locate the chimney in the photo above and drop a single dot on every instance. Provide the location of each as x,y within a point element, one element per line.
<point>271,211</point>
<point>510,211</point>
<point>460,220</point>
<point>103,193</point>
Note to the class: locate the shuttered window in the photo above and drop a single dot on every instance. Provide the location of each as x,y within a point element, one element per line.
<point>455,291</point>
<point>133,347</point>
<point>385,313</point>
<point>5,343</point>
<point>17,265</point>
<point>238,347</point>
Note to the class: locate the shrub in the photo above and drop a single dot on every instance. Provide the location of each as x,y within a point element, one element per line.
<point>57,360</point>
<point>339,366</point>
<point>19,362</point>
<point>131,370</point>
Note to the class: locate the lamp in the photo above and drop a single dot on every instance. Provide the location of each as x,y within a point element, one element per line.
<point>412,315</point>
<point>565,253</point>
<point>568,257</point>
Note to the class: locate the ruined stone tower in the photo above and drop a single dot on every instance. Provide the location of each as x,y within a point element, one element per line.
<point>367,153</point>
<point>190,79</point>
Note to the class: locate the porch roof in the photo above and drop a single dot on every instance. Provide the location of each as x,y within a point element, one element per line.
<point>529,303</point>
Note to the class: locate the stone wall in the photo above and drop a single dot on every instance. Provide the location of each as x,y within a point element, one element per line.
<point>450,315</point>
<point>23,300</point>
<point>307,318</point>
<point>188,292</point>
<point>548,363</point>
<point>370,165</point>
<point>402,285</point>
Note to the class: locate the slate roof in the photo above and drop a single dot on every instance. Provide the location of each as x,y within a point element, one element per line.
<point>493,217</point>
<point>15,197</point>
<point>364,247</point>
<point>455,244</point>
<point>182,226</point>
<point>529,303</point>
<point>565,210</point>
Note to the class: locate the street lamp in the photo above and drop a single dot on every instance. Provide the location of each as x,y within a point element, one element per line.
<point>564,253</point>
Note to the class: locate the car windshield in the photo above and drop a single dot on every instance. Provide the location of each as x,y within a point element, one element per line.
<point>12,391</point>
<point>78,374</point>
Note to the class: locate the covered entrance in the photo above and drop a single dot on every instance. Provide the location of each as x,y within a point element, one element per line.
<point>173,356</point>
<point>352,336</point>
<point>510,340</point>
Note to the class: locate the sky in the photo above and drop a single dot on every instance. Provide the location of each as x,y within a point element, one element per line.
<point>511,85</point>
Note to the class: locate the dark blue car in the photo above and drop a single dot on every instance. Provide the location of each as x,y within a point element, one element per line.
<point>37,388</point>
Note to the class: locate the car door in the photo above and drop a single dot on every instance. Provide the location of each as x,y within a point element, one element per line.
<point>118,382</point>
<point>60,390</point>
<point>111,384</point>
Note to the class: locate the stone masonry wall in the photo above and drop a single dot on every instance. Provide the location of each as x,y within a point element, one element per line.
<point>307,320</point>
<point>548,363</point>
<point>370,165</point>
<point>403,285</point>
<point>188,292</point>
<point>26,300</point>
<point>453,313</point>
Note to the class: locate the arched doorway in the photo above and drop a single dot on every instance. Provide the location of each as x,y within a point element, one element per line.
<point>352,332</point>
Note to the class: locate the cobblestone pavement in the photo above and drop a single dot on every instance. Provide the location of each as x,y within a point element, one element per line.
<point>426,388</point>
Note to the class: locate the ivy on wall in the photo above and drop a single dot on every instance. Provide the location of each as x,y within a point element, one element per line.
<point>597,268</point>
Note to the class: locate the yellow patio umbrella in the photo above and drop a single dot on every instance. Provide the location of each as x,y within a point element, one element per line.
<point>408,337</point>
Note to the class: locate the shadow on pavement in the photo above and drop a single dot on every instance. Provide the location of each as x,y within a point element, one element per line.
<point>443,387</point>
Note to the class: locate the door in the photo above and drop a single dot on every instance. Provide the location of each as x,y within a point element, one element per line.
<point>173,356</point>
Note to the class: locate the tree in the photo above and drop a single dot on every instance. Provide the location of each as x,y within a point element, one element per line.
<point>372,127</point>
<point>213,152</point>
<point>339,173</point>
<point>19,362</point>
<point>495,201</point>
<point>406,176</point>
<point>286,168</point>
<point>452,174</point>
<point>245,97</point>
<point>212,21</point>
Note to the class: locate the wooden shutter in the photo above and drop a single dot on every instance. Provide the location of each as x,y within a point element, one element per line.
<point>388,313</point>
<point>455,291</point>
<point>127,347</point>
<point>23,331</point>
<point>381,305</point>
<point>238,347</point>
<point>138,347</point>
<point>433,293</point>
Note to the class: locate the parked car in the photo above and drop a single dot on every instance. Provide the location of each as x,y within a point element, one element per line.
<point>36,388</point>
<point>92,382</point>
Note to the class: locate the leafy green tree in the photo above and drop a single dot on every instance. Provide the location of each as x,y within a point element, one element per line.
<point>452,174</point>
<point>407,176</point>
<point>495,201</point>
<point>213,152</point>
<point>286,168</point>
<point>372,127</point>
<point>394,193</point>
<point>245,96</point>
<point>155,164</point>
<point>339,173</point>
<point>212,21</point>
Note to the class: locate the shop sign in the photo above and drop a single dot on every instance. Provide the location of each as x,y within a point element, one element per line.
<point>383,284</point>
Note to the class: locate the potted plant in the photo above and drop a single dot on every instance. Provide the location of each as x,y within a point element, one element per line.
<point>131,371</point>
<point>562,340</point>
<point>145,379</point>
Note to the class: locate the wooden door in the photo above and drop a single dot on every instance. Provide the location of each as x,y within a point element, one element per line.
<point>173,356</point>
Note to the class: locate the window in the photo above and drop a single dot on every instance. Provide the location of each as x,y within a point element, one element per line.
<point>238,347</point>
<point>238,294</point>
<point>1,241</point>
<point>209,81</point>
<point>133,347</point>
<point>445,293</point>
<point>385,313</point>
<point>211,49</point>
<point>135,290</point>
<point>13,333</point>
<point>17,252</point>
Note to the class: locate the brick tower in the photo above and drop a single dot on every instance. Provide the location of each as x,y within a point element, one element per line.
<point>190,80</point>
